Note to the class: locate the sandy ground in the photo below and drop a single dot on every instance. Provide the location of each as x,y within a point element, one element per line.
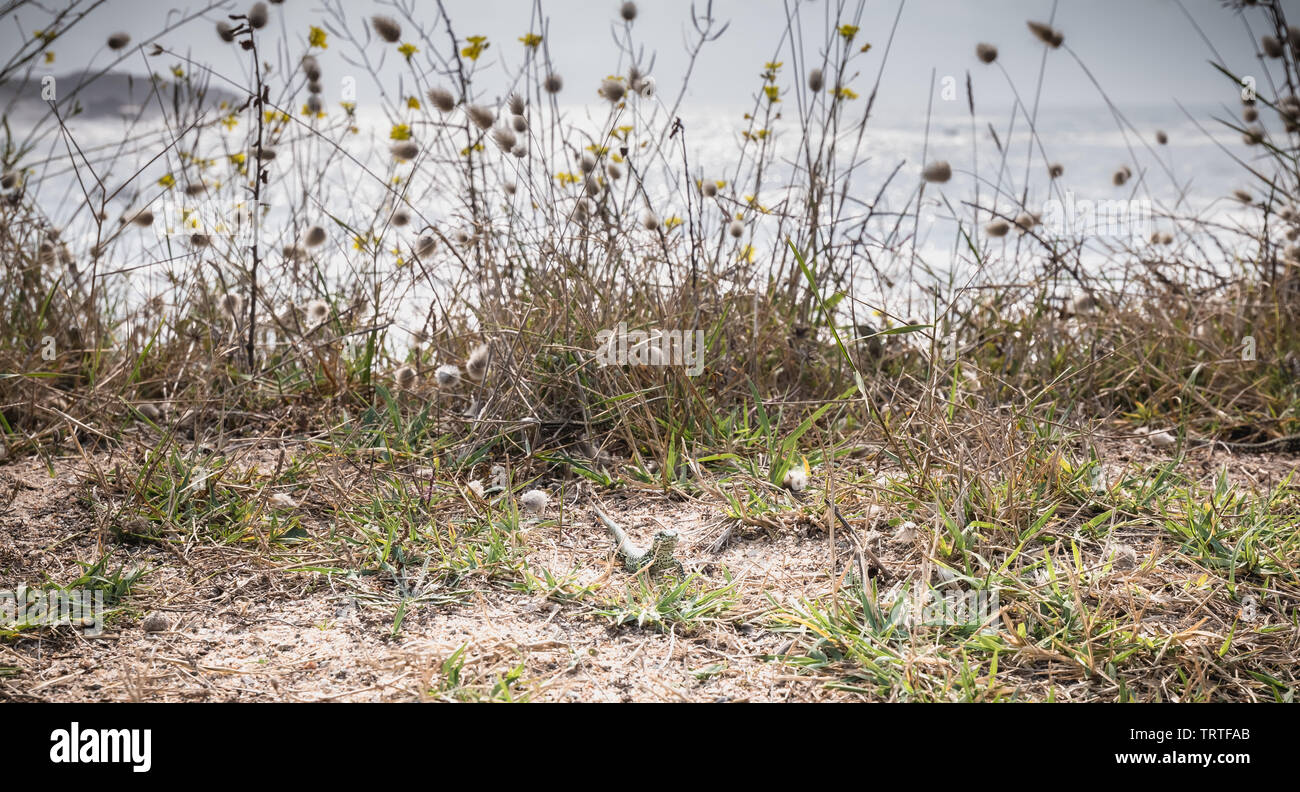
<point>241,626</point>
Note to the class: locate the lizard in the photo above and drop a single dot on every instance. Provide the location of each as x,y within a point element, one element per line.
<point>658,557</point>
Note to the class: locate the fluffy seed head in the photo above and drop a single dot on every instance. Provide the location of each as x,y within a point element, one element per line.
<point>442,99</point>
<point>1271,46</point>
<point>987,53</point>
<point>650,221</point>
<point>315,236</point>
<point>612,90</point>
<point>317,312</point>
<point>8,179</point>
<point>314,105</point>
<point>226,32</point>
<point>1121,176</point>
<point>143,218</point>
<point>401,218</point>
<point>938,171</point>
<point>816,82</point>
<point>710,189</point>
<point>796,479</point>
<point>386,28</point>
<point>587,163</point>
<point>1253,136</point>
<point>614,171</point>
<point>406,150</point>
<point>311,68</point>
<point>405,377</point>
<point>534,501</point>
<point>553,84</point>
<point>509,187</point>
<point>737,229</point>
<point>519,123</point>
<point>997,228</point>
<point>482,117</point>
<point>257,16</point>
<point>477,364</point>
<point>447,375</point>
<point>231,305</point>
<point>1161,137</point>
<point>520,151</point>
<point>1045,34</point>
<point>505,138</point>
<point>646,88</point>
<point>118,40</point>
<point>1243,196</point>
<point>516,104</point>
<point>628,11</point>
<point>200,240</point>
<point>1026,221</point>
<point>425,245</point>
<point>1055,170</point>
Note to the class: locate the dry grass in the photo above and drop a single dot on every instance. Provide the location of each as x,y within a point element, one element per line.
<point>308,529</point>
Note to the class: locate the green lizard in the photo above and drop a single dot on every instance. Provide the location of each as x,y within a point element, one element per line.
<point>658,557</point>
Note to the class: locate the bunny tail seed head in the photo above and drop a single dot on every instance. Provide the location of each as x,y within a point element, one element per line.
<point>1055,170</point>
<point>225,31</point>
<point>311,68</point>
<point>425,245</point>
<point>505,138</point>
<point>614,171</point>
<point>1047,35</point>
<point>736,229</point>
<point>628,11</point>
<point>816,81</point>
<point>257,16</point>
<point>1161,137</point>
<point>987,53</point>
<point>553,84</point>
<point>447,375</point>
<point>516,104</point>
<point>315,236</point>
<point>938,171</point>
<point>317,312</point>
<point>386,28</point>
<point>442,99</point>
<point>118,40</point>
<point>534,501</point>
<point>519,123</point>
<point>477,364</point>
<point>482,117</point>
<point>997,228</point>
<point>405,377</point>
<point>796,479</point>
<point>650,221</point>
<point>406,150</point>
<point>231,305</point>
<point>710,189</point>
<point>612,90</point>
<point>1271,46</point>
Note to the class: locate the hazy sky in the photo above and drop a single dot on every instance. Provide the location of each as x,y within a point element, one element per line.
<point>1141,51</point>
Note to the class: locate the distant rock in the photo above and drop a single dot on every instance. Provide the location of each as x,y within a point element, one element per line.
<point>98,96</point>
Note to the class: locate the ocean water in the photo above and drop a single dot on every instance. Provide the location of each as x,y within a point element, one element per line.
<point>343,174</point>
